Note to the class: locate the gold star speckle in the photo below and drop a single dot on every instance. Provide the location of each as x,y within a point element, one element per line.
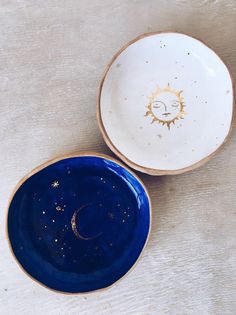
<point>55,184</point>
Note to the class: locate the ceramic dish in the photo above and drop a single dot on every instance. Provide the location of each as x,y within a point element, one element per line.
<point>79,223</point>
<point>165,103</point>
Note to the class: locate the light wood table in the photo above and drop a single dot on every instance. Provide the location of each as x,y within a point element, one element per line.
<point>52,56</point>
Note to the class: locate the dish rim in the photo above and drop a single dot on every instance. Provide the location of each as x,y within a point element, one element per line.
<point>53,161</point>
<point>115,150</point>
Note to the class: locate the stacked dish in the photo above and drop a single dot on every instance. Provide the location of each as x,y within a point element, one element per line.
<point>79,223</point>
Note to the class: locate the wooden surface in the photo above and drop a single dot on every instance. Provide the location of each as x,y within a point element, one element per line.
<point>52,56</point>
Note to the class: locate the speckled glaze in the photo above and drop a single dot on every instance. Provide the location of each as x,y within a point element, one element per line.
<point>79,223</point>
<point>165,103</point>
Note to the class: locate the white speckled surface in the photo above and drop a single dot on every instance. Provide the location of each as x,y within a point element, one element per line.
<point>52,56</point>
<point>150,77</point>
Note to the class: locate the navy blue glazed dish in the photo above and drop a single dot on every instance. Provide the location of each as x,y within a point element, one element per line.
<point>79,223</point>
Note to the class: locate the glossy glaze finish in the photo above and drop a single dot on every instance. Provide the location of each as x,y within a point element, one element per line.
<point>79,224</point>
<point>165,103</point>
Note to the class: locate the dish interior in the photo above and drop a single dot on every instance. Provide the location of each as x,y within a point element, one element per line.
<point>79,224</point>
<point>166,102</point>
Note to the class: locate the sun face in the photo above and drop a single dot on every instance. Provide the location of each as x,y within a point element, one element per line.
<point>166,106</point>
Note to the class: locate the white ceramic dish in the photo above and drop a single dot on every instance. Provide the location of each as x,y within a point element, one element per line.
<point>165,103</point>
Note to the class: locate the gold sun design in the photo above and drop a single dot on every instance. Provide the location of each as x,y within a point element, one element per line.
<point>166,106</point>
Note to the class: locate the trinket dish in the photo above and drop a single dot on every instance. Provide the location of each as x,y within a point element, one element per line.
<point>79,223</point>
<point>165,103</point>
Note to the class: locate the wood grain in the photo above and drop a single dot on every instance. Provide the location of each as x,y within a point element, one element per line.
<point>52,57</point>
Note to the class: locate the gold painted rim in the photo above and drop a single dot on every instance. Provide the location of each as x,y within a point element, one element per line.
<point>50,162</point>
<point>115,150</point>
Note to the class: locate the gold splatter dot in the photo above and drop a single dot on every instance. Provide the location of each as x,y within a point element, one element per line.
<point>55,184</point>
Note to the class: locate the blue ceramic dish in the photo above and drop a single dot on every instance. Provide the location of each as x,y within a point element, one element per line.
<point>78,224</point>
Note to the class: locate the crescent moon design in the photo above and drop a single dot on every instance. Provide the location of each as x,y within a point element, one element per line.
<point>75,229</point>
